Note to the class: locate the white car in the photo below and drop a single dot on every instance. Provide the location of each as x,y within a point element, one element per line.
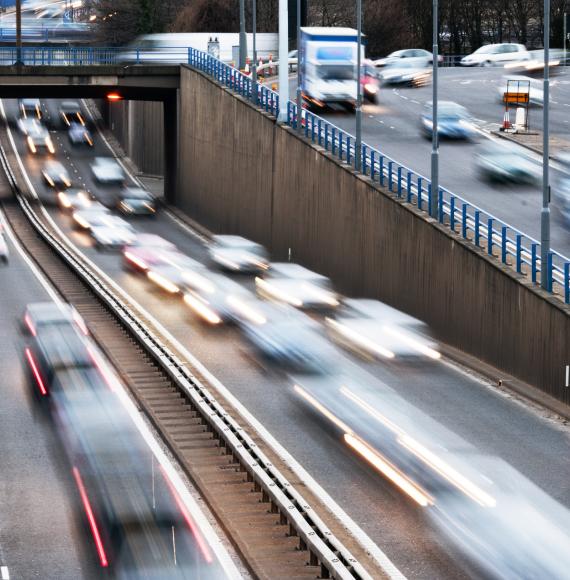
<point>31,108</point>
<point>238,254</point>
<point>418,55</point>
<point>297,286</point>
<point>147,250</point>
<point>76,199</point>
<point>56,175</point>
<point>496,54</point>
<point>112,237</point>
<point>376,330</point>
<point>107,171</point>
<point>407,72</point>
<point>79,135</point>
<point>85,219</point>
<point>39,139</point>
<point>172,271</point>
<point>28,124</point>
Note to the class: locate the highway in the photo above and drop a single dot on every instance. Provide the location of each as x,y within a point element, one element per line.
<point>463,404</point>
<point>393,127</point>
<point>37,494</point>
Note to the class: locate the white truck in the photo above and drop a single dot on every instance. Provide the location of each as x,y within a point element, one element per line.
<point>327,61</point>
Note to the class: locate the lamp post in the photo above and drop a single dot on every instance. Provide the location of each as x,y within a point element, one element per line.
<point>434,134</point>
<point>254,69</point>
<point>299,92</point>
<point>242,35</point>
<point>545,212</point>
<point>283,64</point>
<point>358,111</point>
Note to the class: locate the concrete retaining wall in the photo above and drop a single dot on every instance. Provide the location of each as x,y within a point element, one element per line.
<point>241,173</point>
<point>138,126</point>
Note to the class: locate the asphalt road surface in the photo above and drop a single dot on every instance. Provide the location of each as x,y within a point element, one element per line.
<point>461,403</point>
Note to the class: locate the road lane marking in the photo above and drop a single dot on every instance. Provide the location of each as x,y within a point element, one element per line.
<point>4,574</point>
<point>355,530</point>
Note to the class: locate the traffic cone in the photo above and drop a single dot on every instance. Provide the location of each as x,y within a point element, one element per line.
<point>506,122</point>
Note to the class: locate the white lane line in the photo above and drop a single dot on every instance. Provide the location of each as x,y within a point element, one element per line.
<point>416,102</point>
<point>392,127</point>
<point>334,508</point>
<point>4,574</point>
<point>403,97</point>
<point>213,539</point>
<point>35,270</point>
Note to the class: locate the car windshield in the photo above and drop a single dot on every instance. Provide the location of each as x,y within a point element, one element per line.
<point>488,49</point>
<point>336,72</point>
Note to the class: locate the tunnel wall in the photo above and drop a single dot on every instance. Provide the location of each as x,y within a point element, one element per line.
<point>138,126</point>
<point>241,173</point>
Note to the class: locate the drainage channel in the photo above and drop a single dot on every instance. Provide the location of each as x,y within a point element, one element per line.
<point>270,523</point>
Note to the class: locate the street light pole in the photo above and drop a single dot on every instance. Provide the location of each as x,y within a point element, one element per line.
<point>358,144</point>
<point>242,35</point>
<point>434,135</point>
<point>254,69</point>
<point>19,32</point>
<point>299,92</point>
<point>565,32</point>
<point>283,61</point>
<point>545,212</point>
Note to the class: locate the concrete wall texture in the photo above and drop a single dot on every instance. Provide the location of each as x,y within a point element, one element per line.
<point>138,126</point>
<point>241,173</point>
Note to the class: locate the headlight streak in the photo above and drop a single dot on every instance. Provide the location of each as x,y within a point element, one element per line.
<point>322,409</point>
<point>277,293</point>
<point>163,282</point>
<point>322,295</point>
<point>412,342</point>
<point>360,339</point>
<point>135,260</point>
<point>201,308</point>
<point>245,310</point>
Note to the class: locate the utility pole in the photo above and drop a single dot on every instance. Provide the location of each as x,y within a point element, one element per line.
<point>565,32</point>
<point>242,35</point>
<point>358,144</point>
<point>434,135</point>
<point>283,61</point>
<point>545,212</point>
<point>19,33</point>
<point>254,69</point>
<point>299,92</point>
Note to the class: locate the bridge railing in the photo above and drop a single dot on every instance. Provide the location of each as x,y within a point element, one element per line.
<point>492,235</point>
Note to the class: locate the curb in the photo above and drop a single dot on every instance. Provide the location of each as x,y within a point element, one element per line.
<point>538,151</point>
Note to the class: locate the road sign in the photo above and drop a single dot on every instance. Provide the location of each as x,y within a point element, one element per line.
<point>68,15</point>
<point>519,98</point>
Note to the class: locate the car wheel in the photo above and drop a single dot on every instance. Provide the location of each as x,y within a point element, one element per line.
<point>487,63</point>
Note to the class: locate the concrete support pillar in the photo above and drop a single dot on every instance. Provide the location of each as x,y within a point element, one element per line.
<point>170,147</point>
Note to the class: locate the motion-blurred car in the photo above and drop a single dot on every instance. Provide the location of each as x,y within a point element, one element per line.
<point>79,135</point>
<point>75,199</point>
<point>376,330</point>
<point>41,315</point>
<point>31,109</point>
<point>522,84</point>
<point>561,191</point>
<point>453,121</point>
<point>96,215</point>
<point>212,300</point>
<point>4,252</point>
<point>70,112</point>
<point>147,250</point>
<point>535,65</point>
<point>27,124</point>
<point>107,171</point>
<point>237,254</point>
<point>370,82</point>
<point>406,72</point>
<point>505,162</point>
<point>297,286</point>
<point>420,56</point>
<point>56,175</point>
<point>172,272</point>
<point>38,139</point>
<point>496,54</point>
<point>136,201</point>
<point>289,338</point>
<point>112,237</point>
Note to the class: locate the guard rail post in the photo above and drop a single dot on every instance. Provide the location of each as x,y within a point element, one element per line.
<point>340,145</point>
<point>348,156</point>
<point>452,213</point>
<point>549,272</point>
<point>320,132</point>
<point>399,181</point>
<point>477,224</point>
<point>420,188</point>
<point>333,143</point>
<point>327,137</point>
<point>567,282</point>
<point>372,165</point>
<point>519,253</point>
<point>409,187</point>
<point>464,220</point>
<point>138,59</point>
<point>381,169</point>
<point>364,148</point>
<point>504,244</point>
<point>490,236</point>
<point>534,261</point>
<point>440,205</point>
<point>390,170</point>
<point>429,195</point>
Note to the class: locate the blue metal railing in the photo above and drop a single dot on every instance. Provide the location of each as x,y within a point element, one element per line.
<point>495,237</point>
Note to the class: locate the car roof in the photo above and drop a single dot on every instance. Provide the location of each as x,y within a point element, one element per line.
<point>135,193</point>
<point>231,240</point>
<point>70,105</point>
<point>291,270</point>
<point>63,347</point>
<point>47,312</point>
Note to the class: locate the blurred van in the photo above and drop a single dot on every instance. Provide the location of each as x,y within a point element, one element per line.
<point>172,48</point>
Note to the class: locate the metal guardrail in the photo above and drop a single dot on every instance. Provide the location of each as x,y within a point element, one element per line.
<point>325,550</point>
<point>498,238</point>
<point>59,33</point>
